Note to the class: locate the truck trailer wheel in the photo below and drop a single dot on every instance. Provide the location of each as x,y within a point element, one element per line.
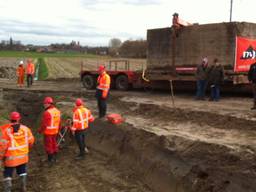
<point>122,82</point>
<point>89,82</point>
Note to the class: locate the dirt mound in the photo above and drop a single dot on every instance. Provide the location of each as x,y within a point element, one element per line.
<point>7,72</point>
<point>175,163</point>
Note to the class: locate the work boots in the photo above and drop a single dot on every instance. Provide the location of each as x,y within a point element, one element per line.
<point>23,183</point>
<point>7,184</point>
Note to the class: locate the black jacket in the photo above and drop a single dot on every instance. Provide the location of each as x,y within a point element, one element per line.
<point>216,75</point>
<point>252,73</point>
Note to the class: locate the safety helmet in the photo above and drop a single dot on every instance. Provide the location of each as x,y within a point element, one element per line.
<point>15,116</point>
<point>48,100</point>
<point>21,62</point>
<point>101,68</point>
<point>79,102</point>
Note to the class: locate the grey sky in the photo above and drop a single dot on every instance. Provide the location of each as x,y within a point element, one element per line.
<point>95,22</point>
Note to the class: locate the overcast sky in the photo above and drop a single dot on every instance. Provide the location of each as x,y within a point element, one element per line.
<point>95,22</point>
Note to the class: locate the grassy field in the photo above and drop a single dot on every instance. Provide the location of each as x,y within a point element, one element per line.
<point>24,54</point>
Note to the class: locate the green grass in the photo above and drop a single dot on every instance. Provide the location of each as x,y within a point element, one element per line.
<point>36,55</point>
<point>43,70</point>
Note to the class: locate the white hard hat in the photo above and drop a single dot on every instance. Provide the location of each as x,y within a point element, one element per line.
<point>21,63</point>
<point>205,60</point>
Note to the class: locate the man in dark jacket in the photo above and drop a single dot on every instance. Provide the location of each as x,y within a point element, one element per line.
<point>201,77</point>
<point>252,80</point>
<point>215,78</point>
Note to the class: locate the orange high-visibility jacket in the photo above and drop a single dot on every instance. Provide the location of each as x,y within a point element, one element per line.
<point>18,146</point>
<point>4,139</point>
<point>53,125</point>
<point>30,68</point>
<point>20,71</point>
<point>81,118</point>
<point>104,83</point>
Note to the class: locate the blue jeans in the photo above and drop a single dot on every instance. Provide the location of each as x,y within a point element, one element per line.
<point>215,92</point>
<point>80,139</point>
<point>201,87</point>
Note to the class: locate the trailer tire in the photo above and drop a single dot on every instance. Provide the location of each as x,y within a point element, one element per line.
<point>89,82</point>
<point>122,83</point>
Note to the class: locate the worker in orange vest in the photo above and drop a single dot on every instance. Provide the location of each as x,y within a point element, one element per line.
<point>20,72</point>
<point>81,119</point>
<point>102,90</point>
<point>30,70</point>
<point>19,139</point>
<point>50,126</point>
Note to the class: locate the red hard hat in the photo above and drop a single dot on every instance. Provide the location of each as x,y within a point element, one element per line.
<point>101,68</point>
<point>79,102</point>
<point>48,100</point>
<point>15,116</point>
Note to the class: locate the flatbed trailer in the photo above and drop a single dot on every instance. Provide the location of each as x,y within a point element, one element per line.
<point>122,77</point>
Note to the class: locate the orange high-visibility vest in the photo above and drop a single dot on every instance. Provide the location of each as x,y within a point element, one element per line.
<point>30,68</point>
<point>81,118</point>
<point>4,130</point>
<point>18,147</point>
<point>103,82</point>
<point>54,124</point>
<point>20,71</point>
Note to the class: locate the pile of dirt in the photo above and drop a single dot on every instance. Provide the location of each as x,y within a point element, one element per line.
<point>174,163</point>
<point>7,72</point>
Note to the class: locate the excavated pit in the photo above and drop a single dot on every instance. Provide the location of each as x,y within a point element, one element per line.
<point>133,158</point>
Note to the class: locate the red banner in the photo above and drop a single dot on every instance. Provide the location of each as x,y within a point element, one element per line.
<point>245,54</point>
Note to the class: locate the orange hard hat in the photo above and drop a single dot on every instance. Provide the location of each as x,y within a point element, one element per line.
<point>79,102</point>
<point>48,100</point>
<point>101,68</point>
<point>15,116</point>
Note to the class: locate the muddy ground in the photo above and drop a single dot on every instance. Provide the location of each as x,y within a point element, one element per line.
<point>194,146</point>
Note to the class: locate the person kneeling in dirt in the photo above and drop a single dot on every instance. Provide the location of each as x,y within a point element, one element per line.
<point>215,79</point>
<point>18,139</point>
<point>81,119</point>
<point>50,126</point>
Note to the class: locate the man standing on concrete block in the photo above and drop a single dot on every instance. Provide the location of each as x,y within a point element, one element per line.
<point>81,119</point>
<point>50,126</point>
<point>252,80</point>
<point>102,91</point>
<point>30,70</point>
<point>201,77</point>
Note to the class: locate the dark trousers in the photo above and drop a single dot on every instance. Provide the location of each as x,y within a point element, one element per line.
<point>29,80</point>
<point>254,93</point>
<point>20,170</point>
<point>80,139</point>
<point>215,92</point>
<point>102,106</point>
<point>201,87</point>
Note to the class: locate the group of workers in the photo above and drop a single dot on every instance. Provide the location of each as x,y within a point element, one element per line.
<point>17,139</point>
<point>29,71</point>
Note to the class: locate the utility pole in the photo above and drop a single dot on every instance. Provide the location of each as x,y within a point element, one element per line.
<point>231,7</point>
